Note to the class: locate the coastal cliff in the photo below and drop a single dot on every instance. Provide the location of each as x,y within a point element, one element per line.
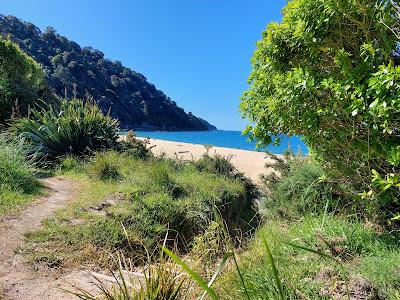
<point>75,71</point>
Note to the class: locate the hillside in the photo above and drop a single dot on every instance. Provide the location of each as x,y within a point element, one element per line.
<point>77,71</point>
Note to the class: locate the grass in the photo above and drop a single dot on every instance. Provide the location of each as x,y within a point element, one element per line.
<point>18,184</point>
<point>160,280</point>
<point>309,247</point>
<point>359,252</point>
<point>306,188</point>
<point>320,248</point>
<point>133,211</point>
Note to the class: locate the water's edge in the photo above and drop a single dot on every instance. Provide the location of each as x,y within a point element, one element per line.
<point>222,138</point>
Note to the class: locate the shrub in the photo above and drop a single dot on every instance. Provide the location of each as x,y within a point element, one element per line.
<point>135,148</point>
<point>340,91</point>
<point>159,174</point>
<point>18,184</point>
<point>16,170</point>
<point>103,167</point>
<point>216,164</point>
<point>22,82</point>
<point>69,163</point>
<point>302,186</point>
<point>78,127</point>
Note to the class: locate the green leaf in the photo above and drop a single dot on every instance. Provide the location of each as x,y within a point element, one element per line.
<point>275,272</point>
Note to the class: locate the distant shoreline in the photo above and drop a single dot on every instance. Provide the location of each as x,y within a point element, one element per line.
<point>227,139</point>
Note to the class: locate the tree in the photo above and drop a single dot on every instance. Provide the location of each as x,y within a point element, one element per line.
<point>328,72</point>
<point>22,81</point>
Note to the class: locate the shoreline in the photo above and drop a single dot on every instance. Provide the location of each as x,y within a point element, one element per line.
<point>251,163</point>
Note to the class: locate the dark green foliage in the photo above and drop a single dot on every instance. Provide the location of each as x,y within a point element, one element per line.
<point>330,72</point>
<point>77,127</point>
<point>73,71</point>
<point>22,82</point>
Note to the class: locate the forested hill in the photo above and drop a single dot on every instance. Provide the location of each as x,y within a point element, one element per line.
<point>82,71</point>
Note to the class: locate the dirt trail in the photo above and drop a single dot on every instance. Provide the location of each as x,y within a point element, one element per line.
<point>17,279</point>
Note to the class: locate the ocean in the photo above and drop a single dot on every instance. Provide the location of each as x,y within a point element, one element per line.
<point>222,138</point>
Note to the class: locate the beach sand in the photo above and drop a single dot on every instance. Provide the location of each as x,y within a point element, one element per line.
<point>251,163</point>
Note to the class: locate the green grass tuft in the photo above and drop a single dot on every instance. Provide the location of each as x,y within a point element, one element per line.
<point>18,184</point>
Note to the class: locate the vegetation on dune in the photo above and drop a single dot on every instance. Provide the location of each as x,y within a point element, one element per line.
<point>135,148</point>
<point>129,205</point>
<point>330,72</point>
<point>77,127</point>
<point>22,82</point>
<point>304,187</point>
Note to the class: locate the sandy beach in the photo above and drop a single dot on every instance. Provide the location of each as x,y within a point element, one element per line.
<point>251,163</point>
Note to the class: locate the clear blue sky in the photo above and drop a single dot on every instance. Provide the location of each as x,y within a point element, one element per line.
<point>196,51</point>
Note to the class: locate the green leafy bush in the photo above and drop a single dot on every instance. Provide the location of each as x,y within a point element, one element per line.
<point>303,186</point>
<point>77,127</point>
<point>222,166</point>
<point>22,82</point>
<point>340,91</point>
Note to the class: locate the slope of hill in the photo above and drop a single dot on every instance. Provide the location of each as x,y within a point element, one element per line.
<point>77,71</point>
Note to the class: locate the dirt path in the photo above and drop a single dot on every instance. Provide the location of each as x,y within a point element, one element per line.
<point>17,279</point>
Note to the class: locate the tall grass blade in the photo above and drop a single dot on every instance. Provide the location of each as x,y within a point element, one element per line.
<point>275,272</point>
<point>217,272</point>
<point>241,277</point>
<point>313,251</point>
<point>196,277</point>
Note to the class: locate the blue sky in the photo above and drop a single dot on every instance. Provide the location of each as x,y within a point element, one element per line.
<point>196,51</point>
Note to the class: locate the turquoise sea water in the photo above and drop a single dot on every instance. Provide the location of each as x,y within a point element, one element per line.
<point>222,138</point>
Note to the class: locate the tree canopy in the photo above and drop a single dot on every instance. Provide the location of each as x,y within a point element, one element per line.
<point>330,72</point>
